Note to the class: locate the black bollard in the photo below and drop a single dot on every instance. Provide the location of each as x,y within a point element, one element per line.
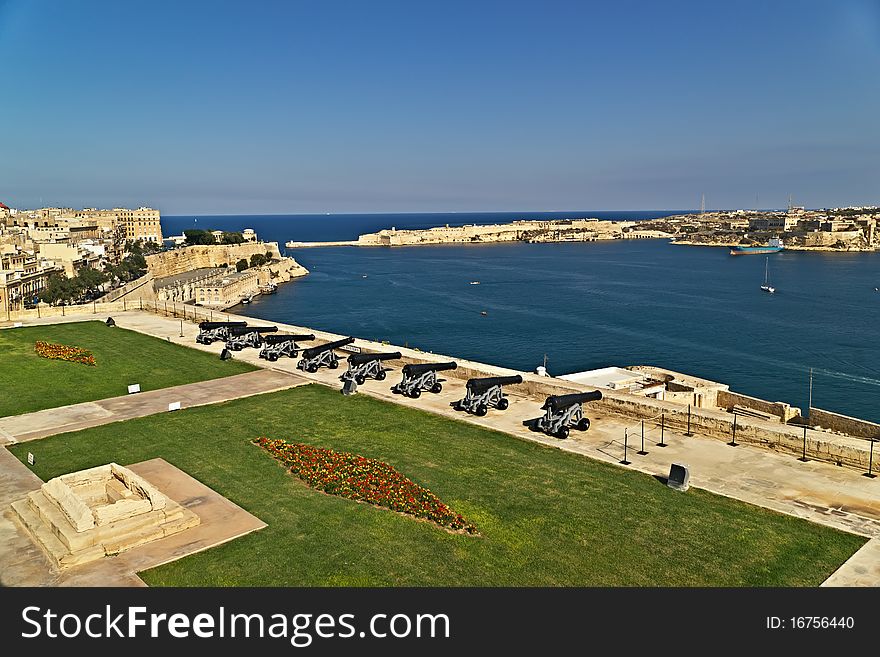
<point>804,455</point>
<point>662,429</point>
<point>870,474</point>
<point>625,443</point>
<point>642,451</point>
<point>732,443</point>
<point>688,433</point>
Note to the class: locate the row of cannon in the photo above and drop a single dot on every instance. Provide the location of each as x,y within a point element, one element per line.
<point>561,412</point>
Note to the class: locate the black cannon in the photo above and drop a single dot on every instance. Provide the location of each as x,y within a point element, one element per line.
<point>485,393</point>
<point>315,357</point>
<point>421,377</point>
<point>247,336</point>
<point>210,332</point>
<point>564,411</point>
<point>275,346</point>
<point>364,366</point>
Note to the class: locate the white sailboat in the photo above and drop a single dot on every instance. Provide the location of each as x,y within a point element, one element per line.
<point>766,286</point>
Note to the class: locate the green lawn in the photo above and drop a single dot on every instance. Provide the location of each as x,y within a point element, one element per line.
<point>31,383</point>
<point>546,517</point>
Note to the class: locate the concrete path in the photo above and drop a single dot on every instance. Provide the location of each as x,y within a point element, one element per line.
<point>861,569</point>
<point>820,492</point>
<point>30,426</point>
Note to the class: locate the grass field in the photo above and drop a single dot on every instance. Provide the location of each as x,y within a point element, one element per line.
<point>30,383</point>
<point>546,517</point>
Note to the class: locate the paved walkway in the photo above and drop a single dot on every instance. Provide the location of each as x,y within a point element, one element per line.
<point>30,426</point>
<point>820,492</point>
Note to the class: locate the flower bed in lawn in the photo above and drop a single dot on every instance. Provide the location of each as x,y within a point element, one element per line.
<point>55,351</point>
<point>365,480</point>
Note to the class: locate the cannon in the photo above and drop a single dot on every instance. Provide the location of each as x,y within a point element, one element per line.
<point>275,346</point>
<point>364,366</point>
<point>421,377</point>
<point>315,357</point>
<point>247,336</point>
<point>209,332</point>
<point>485,393</point>
<point>564,411</point>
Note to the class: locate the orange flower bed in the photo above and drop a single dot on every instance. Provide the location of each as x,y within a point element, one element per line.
<point>363,479</point>
<point>55,351</point>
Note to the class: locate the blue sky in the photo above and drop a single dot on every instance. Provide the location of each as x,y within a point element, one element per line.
<point>273,107</point>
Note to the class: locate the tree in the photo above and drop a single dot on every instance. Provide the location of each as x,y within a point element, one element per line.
<point>90,279</point>
<point>60,289</point>
<point>241,265</point>
<point>195,236</point>
<point>232,238</point>
<point>258,260</point>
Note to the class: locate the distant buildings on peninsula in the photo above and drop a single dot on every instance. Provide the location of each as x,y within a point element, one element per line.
<point>836,229</point>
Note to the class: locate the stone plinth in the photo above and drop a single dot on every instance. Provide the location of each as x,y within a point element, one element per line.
<point>87,515</point>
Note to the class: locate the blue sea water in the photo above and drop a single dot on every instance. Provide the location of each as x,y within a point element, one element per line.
<point>587,305</point>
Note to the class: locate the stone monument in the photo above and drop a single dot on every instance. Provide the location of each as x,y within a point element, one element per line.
<point>102,511</point>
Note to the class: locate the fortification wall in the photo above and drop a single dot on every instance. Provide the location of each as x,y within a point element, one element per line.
<point>177,261</point>
<point>844,423</point>
<point>140,288</point>
<point>785,412</point>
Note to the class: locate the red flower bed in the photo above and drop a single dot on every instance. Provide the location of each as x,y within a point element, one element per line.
<point>63,352</point>
<point>363,479</point>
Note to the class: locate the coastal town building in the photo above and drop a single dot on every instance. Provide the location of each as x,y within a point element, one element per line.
<point>228,289</point>
<point>22,277</point>
<point>141,224</point>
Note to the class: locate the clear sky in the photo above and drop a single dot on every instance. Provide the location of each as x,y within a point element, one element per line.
<point>373,106</point>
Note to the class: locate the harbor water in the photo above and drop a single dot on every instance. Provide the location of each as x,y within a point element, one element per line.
<point>587,305</point>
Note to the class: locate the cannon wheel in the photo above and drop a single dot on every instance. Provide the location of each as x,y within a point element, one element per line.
<point>481,410</point>
<point>415,393</point>
<point>312,368</point>
<point>236,347</point>
<point>437,387</point>
<point>360,379</point>
<point>583,424</point>
<point>503,404</point>
<point>333,364</point>
<point>563,432</point>
<point>380,375</point>
<point>272,357</point>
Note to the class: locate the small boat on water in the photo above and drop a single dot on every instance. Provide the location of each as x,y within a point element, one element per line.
<point>270,288</point>
<point>775,245</point>
<point>766,286</point>
<point>475,282</point>
<point>483,313</point>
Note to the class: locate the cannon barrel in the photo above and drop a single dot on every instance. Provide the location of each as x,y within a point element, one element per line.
<point>557,403</point>
<point>242,330</point>
<point>360,359</point>
<point>279,339</point>
<point>208,326</point>
<point>483,384</point>
<point>412,369</point>
<point>311,352</point>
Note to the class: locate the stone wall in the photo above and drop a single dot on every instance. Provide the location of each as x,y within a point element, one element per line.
<point>136,289</point>
<point>843,423</point>
<point>785,412</point>
<point>177,261</point>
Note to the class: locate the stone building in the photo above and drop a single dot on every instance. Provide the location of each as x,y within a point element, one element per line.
<point>228,290</point>
<point>22,277</point>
